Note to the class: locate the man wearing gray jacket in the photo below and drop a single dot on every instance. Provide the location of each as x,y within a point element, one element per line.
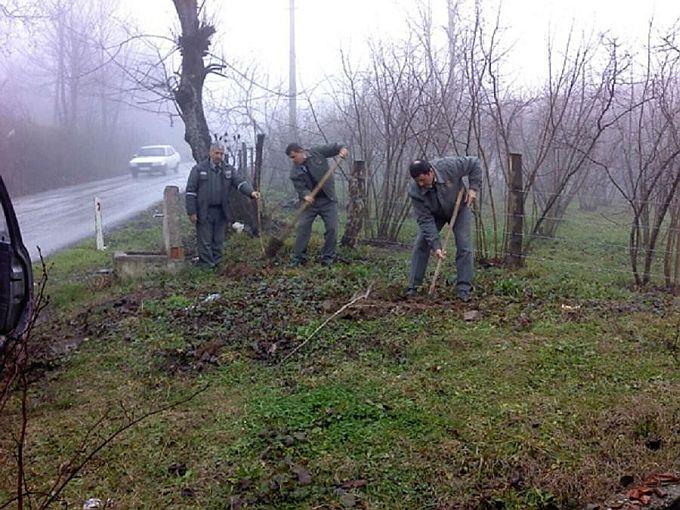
<point>309,167</point>
<point>433,196</point>
<point>207,202</point>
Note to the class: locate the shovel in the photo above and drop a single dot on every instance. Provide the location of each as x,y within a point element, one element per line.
<point>275,243</point>
<point>449,229</point>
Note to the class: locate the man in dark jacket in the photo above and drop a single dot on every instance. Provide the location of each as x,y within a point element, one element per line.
<point>207,202</point>
<point>433,196</point>
<point>309,167</point>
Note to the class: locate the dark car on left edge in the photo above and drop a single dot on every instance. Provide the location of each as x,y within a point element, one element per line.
<point>16,277</point>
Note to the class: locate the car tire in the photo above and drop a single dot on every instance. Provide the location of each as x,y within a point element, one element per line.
<point>134,173</point>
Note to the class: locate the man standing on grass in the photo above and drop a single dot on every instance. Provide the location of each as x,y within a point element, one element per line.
<point>207,202</point>
<point>309,167</point>
<point>433,195</point>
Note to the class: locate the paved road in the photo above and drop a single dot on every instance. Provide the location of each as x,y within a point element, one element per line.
<point>56,219</point>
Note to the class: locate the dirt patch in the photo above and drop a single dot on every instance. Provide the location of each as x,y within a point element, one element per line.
<point>55,338</point>
<point>238,271</point>
<point>193,358</point>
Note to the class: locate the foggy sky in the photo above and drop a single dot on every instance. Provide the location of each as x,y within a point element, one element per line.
<point>258,30</point>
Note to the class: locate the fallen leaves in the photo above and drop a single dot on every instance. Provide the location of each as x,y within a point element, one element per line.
<point>651,486</point>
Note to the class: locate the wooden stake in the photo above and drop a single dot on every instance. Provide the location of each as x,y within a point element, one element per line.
<point>449,229</point>
<point>259,225</point>
<point>275,243</point>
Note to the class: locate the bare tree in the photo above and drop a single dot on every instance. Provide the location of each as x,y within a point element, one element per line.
<point>649,150</point>
<point>68,70</point>
<point>193,44</point>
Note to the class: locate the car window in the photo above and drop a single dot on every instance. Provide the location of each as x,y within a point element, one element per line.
<point>4,230</point>
<point>150,151</point>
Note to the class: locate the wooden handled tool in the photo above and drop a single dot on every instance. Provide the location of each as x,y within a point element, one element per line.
<point>275,243</point>
<point>449,229</point>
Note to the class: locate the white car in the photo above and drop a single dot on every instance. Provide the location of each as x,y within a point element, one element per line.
<point>155,158</point>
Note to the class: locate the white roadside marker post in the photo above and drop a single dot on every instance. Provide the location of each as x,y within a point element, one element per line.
<point>98,230</point>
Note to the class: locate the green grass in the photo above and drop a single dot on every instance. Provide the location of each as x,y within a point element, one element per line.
<point>543,402</point>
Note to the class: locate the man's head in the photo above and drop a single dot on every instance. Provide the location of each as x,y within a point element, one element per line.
<point>217,152</point>
<point>296,153</point>
<point>422,172</point>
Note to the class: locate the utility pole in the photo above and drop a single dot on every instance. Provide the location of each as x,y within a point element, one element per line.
<point>292,83</point>
<point>451,8</point>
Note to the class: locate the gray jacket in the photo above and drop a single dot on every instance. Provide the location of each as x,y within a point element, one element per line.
<point>435,205</point>
<point>199,188</point>
<point>317,164</point>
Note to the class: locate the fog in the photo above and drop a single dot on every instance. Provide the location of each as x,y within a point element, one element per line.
<point>80,79</point>
<point>69,112</point>
<point>585,91</point>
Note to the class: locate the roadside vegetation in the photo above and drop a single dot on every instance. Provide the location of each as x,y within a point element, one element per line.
<point>564,383</point>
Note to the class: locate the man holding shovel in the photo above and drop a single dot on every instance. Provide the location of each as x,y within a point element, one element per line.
<point>434,192</point>
<point>309,168</point>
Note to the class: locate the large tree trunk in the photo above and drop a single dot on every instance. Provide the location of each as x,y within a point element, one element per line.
<point>193,44</point>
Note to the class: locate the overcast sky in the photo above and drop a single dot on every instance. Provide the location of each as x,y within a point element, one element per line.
<point>257,30</point>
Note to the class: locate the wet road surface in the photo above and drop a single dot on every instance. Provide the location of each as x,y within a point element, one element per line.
<point>59,218</point>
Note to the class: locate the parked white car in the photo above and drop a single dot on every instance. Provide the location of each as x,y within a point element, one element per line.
<point>155,158</point>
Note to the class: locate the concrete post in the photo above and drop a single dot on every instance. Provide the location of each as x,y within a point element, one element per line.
<point>172,239</point>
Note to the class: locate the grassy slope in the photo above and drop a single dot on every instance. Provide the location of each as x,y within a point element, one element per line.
<point>392,405</point>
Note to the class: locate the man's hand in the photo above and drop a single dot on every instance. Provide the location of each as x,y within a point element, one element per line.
<point>343,153</point>
<point>440,254</point>
<point>471,197</point>
<point>193,218</point>
<point>255,195</point>
<point>309,199</point>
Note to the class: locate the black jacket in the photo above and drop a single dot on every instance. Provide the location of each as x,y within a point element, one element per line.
<point>317,164</point>
<point>198,188</point>
<point>438,202</point>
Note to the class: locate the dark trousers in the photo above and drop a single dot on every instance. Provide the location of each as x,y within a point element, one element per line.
<point>462,230</point>
<point>210,236</point>
<point>328,210</point>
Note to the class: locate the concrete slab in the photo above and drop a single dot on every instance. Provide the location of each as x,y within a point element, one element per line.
<point>138,265</point>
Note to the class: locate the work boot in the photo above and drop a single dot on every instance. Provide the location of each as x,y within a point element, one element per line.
<point>202,264</point>
<point>327,262</point>
<point>463,295</point>
<point>297,263</point>
<point>410,293</point>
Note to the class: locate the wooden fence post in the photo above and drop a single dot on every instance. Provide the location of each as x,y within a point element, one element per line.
<point>514,256</point>
<point>242,208</point>
<point>356,205</point>
<point>257,167</point>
